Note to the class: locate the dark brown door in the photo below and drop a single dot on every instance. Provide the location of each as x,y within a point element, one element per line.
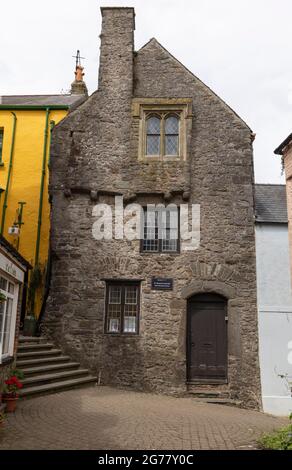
<point>207,338</point>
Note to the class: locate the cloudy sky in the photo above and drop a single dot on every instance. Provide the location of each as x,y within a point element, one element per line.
<point>242,49</point>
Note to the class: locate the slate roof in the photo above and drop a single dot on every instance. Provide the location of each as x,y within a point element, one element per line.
<point>271,203</point>
<point>42,100</point>
<point>279,150</point>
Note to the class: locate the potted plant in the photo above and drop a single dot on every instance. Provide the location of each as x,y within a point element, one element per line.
<point>10,395</point>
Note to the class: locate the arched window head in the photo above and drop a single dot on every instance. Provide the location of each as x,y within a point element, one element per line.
<point>171,133</point>
<point>153,135</point>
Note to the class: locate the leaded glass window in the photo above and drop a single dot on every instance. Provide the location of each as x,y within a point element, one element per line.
<point>153,136</point>
<point>171,135</point>
<point>162,135</point>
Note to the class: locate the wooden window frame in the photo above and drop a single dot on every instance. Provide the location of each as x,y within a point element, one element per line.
<point>14,299</point>
<point>160,240</point>
<point>123,285</point>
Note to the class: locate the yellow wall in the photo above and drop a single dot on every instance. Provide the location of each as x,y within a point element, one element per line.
<point>25,180</point>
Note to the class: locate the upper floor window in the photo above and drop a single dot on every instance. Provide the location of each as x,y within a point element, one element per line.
<point>163,127</point>
<point>162,135</point>
<point>161,230</point>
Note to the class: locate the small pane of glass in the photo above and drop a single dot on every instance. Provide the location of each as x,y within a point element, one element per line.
<point>114,325</point>
<point>11,288</point>
<point>3,283</point>
<point>150,242</point>
<point>115,295</point>
<point>153,145</point>
<point>7,323</point>
<point>153,125</point>
<point>171,145</point>
<point>131,295</point>
<point>171,125</point>
<point>130,324</point>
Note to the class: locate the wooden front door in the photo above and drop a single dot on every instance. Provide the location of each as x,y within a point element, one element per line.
<point>207,338</point>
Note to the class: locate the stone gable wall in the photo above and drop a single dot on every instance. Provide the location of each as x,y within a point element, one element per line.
<point>95,156</point>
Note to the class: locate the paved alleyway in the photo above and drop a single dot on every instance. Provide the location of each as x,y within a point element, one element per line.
<point>106,418</point>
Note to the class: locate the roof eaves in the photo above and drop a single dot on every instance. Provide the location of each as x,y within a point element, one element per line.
<point>279,150</point>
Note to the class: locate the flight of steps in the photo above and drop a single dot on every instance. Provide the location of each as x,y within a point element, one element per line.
<point>46,369</point>
<point>215,395</point>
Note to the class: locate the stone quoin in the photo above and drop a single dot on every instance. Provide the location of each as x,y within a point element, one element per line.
<point>102,309</point>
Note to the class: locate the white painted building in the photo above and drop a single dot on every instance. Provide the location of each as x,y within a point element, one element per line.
<point>274,298</point>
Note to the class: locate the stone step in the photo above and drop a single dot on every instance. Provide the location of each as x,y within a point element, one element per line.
<point>53,377</point>
<point>26,347</point>
<point>40,354</point>
<point>50,368</point>
<point>57,386</point>
<point>208,394</point>
<point>35,362</point>
<point>219,401</point>
<point>31,339</point>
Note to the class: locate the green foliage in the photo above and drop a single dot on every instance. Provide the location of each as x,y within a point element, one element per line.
<point>36,278</point>
<point>18,373</point>
<point>278,440</point>
<point>2,297</point>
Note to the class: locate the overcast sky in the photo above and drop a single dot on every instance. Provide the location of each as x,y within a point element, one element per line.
<point>242,49</point>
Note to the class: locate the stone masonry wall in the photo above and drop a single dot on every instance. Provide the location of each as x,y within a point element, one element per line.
<point>94,157</point>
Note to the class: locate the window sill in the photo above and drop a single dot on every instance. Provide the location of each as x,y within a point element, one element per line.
<point>163,253</point>
<point>122,335</point>
<point>154,159</point>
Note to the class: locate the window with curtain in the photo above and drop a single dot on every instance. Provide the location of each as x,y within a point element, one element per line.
<point>122,307</point>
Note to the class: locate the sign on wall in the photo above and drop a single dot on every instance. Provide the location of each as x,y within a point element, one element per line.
<point>10,268</point>
<point>159,283</point>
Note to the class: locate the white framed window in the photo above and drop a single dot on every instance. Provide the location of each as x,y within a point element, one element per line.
<point>8,313</point>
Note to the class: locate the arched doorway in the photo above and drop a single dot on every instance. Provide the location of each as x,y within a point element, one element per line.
<point>207,338</point>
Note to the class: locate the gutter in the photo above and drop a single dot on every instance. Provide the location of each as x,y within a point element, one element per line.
<point>37,250</point>
<point>32,107</point>
<point>9,173</point>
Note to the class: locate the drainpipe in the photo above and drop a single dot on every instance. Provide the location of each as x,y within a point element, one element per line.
<point>9,173</point>
<point>37,249</point>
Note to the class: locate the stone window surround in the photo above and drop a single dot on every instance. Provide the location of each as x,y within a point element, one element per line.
<point>142,107</point>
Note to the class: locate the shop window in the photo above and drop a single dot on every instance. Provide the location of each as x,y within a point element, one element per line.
<point>7,317</point>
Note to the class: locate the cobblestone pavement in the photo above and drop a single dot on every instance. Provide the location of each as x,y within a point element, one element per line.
<point>106,418</point>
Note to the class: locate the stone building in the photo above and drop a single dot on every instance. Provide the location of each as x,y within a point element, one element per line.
<point>152,314</point>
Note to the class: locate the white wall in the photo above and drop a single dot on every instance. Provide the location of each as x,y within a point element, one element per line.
<point>275,317</point>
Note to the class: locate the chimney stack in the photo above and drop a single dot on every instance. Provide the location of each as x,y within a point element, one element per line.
<point>116,51</point>
<point>78,87</point>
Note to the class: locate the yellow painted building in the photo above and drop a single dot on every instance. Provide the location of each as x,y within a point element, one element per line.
<point>25,126</point>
